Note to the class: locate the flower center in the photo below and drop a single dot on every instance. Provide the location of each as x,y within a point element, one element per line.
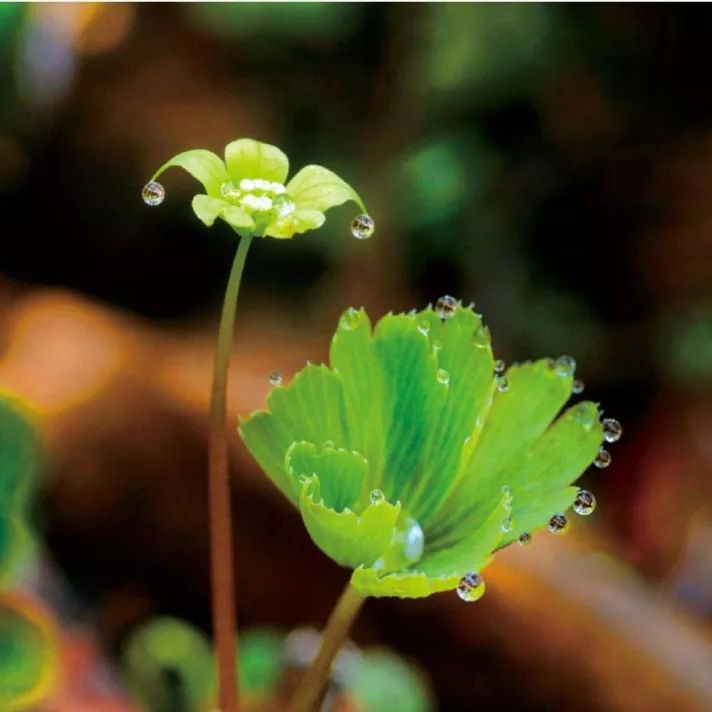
<point>259,196</point>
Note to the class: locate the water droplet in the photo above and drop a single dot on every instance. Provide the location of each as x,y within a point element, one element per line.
<point>565,365</point>
<point>275,378</point>
<point>603,459</point>
<point>284,206</point>
<point>481,337</point>
<point>329,445</point>
<point>499,366</point>
<point>586,414</point>
<point>502,384</point>
<point>413,541</point>
<point>445,307</point>
<point>584,503</point>
<point>229,190</point>
<point>362,227</point>
<point>349,319</point>
<point>577,386</point>
<point>612,430</point>
<point>376,496</point>
<point>153,193</point>
<point>508,498</point>
<point>507,525</point>
<point>471,587</point>
<point>525,539</point>
<point>443,376</point>
<point>424,326</point>
<point>558,524</point>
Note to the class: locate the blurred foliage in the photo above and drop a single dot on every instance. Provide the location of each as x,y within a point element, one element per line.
<point>261,658</point>
<point>685,347</point>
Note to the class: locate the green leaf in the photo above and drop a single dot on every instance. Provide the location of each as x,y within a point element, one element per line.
<point>534,512</point>
<point>247,158</point>
<point>309,409</point>
<point>341,473</point>
<point>318,188</point>
<point>385,682</point>
<point>203,165</point>
<point>208,209</point>
<point>353,358</point>
<point>15,543</point>
<point>168,665</point>
<point>19,455</point>
<point>348,538</point>
<point>518,416</point>
<point>28,655</point>
<point>299,221</point>
<point>402,584</point>
<point>462,346</point>
<point>413,398</point>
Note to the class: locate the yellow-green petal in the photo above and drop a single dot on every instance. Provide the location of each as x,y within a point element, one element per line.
<point>348,538</point>
<point>341,472</point>
<point>402,584</point>
<point>203,165</point>
<point>208,209</point>
<point>299,221</point>
<point>318,188</point>
<point>247,158</point>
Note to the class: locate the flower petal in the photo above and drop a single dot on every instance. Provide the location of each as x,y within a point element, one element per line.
<point>310,409</point>
<point>203,165</point>
<point>412,400</point>
<point>247,158</point>
<point>318,188</point>
<point>353,358</point>
<point>299,221</point>
<point>348,538</point>
<point>208,209</point>
<point>341,473</point>
<point>462,346</point>
<point>403,584</point>
<point>516,419</point>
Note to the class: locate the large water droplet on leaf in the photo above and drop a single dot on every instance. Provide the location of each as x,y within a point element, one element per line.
<point>584,503</point>
<point>362,227</point>
<point>471,587</point>
<point>376,496</point>
<point>153,193</point>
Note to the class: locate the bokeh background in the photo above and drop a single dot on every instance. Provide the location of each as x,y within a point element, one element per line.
<point>552,163</point>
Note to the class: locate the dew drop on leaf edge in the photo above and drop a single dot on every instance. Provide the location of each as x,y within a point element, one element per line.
<point>153,193</point>
<point>445,307</point>
<point>577,386</point>
<point>471,587</point>
<point>612,430</point>
<point>603,459</point>
<point>502,384</point>
<point>376,496</point>
<point>275,378</point>
<point>558,524</point>
<point>362,227</point>
<point>525,539</point>
<point>499,366</point>
<point>585,503</point>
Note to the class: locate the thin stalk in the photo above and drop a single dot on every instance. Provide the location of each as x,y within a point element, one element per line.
<point>312,684</point>
<point>222,578</point>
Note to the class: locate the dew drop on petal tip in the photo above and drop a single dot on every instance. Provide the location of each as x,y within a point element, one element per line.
<point>471,587</point>
<point>585,503</point>
<point>612,430</point>
<point>350,319</point>
<point>558,524</point>
<point>577,386</point>
<point>376,496</point>
<point>525,539</point>
<point>502,384</point>
<point>275,378</point>
<point>445,307</point>
<point>603,459</point>
<point>499,366</point>
<point>565,365</point>
<point>153,193</point>
<point>362,227</point>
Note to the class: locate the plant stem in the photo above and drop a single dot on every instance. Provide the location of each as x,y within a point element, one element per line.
<point>222,580</point>
<point>312,684</point>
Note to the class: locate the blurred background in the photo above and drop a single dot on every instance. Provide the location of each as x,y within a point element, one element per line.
<point>552,163</point>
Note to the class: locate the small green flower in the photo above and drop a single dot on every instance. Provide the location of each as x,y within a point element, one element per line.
<point>412,459</point>
<point>248,190</point>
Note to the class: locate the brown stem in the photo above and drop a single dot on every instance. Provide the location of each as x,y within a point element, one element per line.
<point>312,684</point>
<point>222,579</point>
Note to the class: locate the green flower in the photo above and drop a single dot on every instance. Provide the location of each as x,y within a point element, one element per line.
<point>411,459</point>
<point>248,190</point>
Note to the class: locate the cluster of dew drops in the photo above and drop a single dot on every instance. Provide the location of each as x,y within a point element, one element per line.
<point>153,194</point>
<point>471,585</point>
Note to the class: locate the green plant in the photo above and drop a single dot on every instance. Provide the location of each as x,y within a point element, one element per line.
<point>414,457</point>
<point>247,191</point>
